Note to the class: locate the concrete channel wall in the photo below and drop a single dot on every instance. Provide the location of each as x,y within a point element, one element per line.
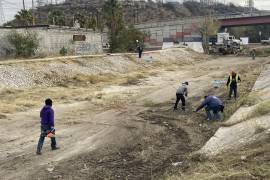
<point>53,38</point>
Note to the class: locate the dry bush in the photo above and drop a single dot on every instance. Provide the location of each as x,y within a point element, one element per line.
<point>3,116</point>
<point>140,76</point>
<point>134,79</point>
<point>130,57</point>
<point>149,103</point>
<point>245,163</point>
<point>252,99</point>
<point>153,73</point>
<point>131,80</point>
<point>259,129</point>
<point>264,52</point>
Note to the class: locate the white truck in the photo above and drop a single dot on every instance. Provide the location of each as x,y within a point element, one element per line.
<point>226,39</point>
<point>265,42</point>
<point>225,44</point>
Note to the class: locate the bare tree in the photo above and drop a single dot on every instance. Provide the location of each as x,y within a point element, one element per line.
<point>208,27</point>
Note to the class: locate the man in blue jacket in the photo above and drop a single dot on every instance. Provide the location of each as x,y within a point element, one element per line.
<point>47,126</point>
<point>212,104</point>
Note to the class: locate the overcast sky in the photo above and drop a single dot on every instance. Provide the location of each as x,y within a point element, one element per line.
<point>12,6</point>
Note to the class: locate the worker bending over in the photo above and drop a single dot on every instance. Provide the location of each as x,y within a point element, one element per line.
<point>212,104</point>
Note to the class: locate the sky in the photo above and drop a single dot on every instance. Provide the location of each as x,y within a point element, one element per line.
<point>10,7</point>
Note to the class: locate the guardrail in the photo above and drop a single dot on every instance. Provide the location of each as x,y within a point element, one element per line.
<point>224,16</point>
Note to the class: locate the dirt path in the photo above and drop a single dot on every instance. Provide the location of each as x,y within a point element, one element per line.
<point>136,139</point>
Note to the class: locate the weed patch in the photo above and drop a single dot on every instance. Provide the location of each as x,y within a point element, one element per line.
<point>261,109</point>
<point>134,80</point>
<point>149,103</point>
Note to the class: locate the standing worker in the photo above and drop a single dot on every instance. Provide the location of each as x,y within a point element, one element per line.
<point>181,92</point>
<point>213,105</point>
<point>253,54</point>
<point>233,79</point>
<point>139,48</point>
<point>47,126</point>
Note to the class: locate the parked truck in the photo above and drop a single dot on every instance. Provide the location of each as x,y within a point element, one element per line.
<point>265,42</point>
<point>225,44</point>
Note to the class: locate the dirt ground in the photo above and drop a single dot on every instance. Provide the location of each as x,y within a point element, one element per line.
<point>118,126</point>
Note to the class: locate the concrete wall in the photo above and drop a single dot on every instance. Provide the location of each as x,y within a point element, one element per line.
<point>52,39</point>
<point>171,31</point>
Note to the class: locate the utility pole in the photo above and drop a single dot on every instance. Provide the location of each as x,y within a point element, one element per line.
<point>23,5</point>
<point>33,13</point>
<point>2,15</point>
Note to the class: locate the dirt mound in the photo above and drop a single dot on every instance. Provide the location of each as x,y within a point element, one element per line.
<point>50,73</point>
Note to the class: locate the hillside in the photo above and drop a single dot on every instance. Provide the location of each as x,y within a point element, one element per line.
<point>134,12</point>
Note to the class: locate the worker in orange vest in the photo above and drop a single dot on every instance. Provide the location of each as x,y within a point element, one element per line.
<point>232,82</point>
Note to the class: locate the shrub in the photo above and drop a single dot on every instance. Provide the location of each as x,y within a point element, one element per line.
<point>63,51</point>
<point>23,44</point>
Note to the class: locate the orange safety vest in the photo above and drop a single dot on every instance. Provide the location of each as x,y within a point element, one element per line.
<point>236,78</point>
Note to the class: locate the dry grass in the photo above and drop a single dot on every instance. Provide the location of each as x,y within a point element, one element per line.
<point>149,103</point>
<point>252,99</point>
<point>263,52</point>
<point>261,109</point>
<point>16,101</point>
<point>134,79</point>
<point>260,129</point>
<point>247,163</point>
<point>131,57</point>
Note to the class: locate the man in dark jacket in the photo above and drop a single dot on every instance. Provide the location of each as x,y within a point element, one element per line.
<point>181,92</point>
<point>212,104</point>
<point>47,126</point>
<point>139,48</point>
<point>233,80</point>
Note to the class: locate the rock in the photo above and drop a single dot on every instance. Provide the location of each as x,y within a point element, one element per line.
<point>177,163</point>
<point>243,158</point>
<point>57,177</point>
<point>50,169</point>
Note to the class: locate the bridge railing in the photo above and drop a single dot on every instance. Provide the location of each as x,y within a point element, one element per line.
<point>194,18</point>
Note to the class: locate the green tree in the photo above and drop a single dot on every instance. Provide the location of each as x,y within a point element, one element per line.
<point>24,44</point>
<point>128,38</point>
<point>24,18</point>
<point>82,20</point>
<point>56,17</point>
<point>91,23</point>
<point>121,38</point>
<point>113,16</point>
